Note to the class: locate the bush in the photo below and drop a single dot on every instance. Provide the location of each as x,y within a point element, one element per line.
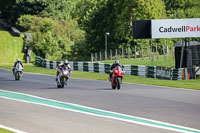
<point>52,39</point>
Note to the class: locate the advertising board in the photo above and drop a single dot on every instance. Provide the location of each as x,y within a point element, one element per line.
<point>175,28</point>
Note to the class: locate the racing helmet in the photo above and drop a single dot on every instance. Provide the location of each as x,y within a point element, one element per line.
<point>116,62</point>
<point>18,60</point>
<point>66,62</point>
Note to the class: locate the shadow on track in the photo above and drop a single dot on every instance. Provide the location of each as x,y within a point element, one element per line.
<point>52,88</point>
<point>105,89</point>
<point>10,80</point>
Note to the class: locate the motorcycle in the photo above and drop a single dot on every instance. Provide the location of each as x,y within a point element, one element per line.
<point>18,71</point>
<point>63,78</point>
<point>117,77</point>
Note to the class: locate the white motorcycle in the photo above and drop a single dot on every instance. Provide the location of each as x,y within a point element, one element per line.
<point>18,71</point>
<point>63,77</point>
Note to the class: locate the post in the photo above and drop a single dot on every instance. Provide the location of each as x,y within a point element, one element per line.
<point>164,52</point>
<point>167,50</point>
<point>122,52</point>
<point>96,56</point>
<point>135,52</point>
<point>189,59</point>
<point>105,47</point>
<point>128,52</point>
<point>110,54</point>
<point>106,57</point>
<point>151,51</point>
<point>116,53</point>
<point>181,61</point>
<point>142,54</point>
<point>157,51</point>
<point>173,55</point>
<point>100,56</point>
<point>92,58</point>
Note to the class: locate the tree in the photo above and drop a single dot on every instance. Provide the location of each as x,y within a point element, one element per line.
<point>183,8</point>
<point>59,9</point>
<point>15,8</point>
<point>5,6</point>
<point>52,39</point>
<point>115,17</point>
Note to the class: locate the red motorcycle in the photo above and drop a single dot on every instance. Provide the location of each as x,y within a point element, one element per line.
<point>117,77</point>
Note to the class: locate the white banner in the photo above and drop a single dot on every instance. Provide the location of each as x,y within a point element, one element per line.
<point>175,28</point>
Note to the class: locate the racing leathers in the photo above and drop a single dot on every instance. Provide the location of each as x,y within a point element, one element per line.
<point>60,66</point>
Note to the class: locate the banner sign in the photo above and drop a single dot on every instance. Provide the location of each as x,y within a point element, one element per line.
<point>175,28</point>
<point>141,29</point>
<point>163,72</point>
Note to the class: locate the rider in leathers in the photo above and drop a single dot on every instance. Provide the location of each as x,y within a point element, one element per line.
<point>15,64</point>
<point>65,64</point>
<point>115,63</point>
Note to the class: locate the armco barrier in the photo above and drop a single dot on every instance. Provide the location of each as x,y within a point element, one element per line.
<point>139,70</point>
<point>177,74</point>
<point>163,72</point>
<point>151,71</point>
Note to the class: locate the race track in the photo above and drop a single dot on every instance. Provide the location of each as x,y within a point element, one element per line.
<point>170,105</point>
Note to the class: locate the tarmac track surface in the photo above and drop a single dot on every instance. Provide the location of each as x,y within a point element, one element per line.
<point>171,105</point>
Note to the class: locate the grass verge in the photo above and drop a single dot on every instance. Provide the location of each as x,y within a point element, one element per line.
<point>2,130</point>
<point>10,47</point>
<point>188,84</point>
<point>164,61</point>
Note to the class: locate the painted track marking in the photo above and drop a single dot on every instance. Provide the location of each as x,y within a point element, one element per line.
<point>92,111</point>
<point>11,129</point>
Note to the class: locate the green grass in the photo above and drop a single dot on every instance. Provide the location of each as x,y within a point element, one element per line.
<point>168,62</point>
<point>189,84</point>
<point>10,47</point>
<point>5,131</point>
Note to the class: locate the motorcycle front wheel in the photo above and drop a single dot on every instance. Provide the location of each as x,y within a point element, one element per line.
<point>58,85</point>
<point>17,75</point>
<point>114,85</point>
<point>62,82</point>
<point>119,83</point>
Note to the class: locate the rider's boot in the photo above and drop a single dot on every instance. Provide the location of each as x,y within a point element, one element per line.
<point>109,78</point>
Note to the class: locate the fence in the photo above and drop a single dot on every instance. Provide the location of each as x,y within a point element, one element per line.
<point>138,70</point>
<point>134,53</point>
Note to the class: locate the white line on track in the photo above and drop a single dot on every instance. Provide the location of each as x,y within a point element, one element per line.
<point>167,125</point>
<point>11,129</point>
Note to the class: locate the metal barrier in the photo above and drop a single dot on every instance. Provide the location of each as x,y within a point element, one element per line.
<point>138,70</point>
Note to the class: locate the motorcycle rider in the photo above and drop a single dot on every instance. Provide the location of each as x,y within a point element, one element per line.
<point>65,64</point>
<point>115,63</point>
<point>15,64</point>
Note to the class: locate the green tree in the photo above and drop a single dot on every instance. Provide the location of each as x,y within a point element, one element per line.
<point>59,9</point>
<point>115,17</point>
<point>183,8</point>
<point>11,10</point>
<point>52,39</point>
<point>4,7</point>
<point>15,8</point>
